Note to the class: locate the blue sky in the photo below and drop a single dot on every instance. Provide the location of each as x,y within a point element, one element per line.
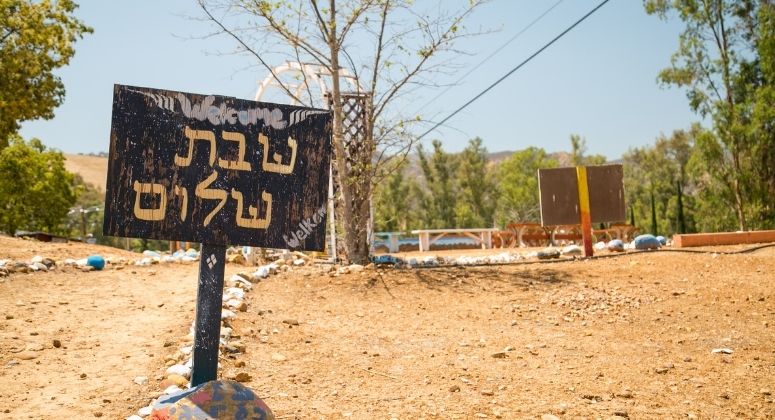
<point>598,81</point>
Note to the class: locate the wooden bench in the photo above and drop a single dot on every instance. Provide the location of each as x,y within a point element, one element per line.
<point>429,236</point>
<point>392,239</point>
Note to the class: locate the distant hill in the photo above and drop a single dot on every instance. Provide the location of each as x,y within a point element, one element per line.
<point>93,168</point>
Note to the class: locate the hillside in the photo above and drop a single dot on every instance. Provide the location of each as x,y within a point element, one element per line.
<point>93,169</point>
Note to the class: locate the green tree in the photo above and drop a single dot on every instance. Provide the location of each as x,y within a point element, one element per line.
<point>579,156</point>
<point>387,46</point>
<point>393,202</point>
<point>763,117</point>
<point>518,185</point>
<point>36,37</point>
<point>656,179</point>
<point>719,65</point>
<point>36,189</point>
<point>475,188</point>
<point>437,198</point>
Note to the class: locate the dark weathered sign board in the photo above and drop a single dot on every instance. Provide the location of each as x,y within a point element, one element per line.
<point>559,195</point>
<point>217,170</point>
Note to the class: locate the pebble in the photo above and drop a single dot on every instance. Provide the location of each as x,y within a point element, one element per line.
<point>622,414</point>
<point>765,391</point>
<point>454,388</point>
<point>26,355</point>
<point>277,357</point>
<point>181,370</point>
<point>140,380</point>
<point>624,394</point>
<point>572,250</point>
<point>56,343</point>
<point>548,253</point>
<point>145,411</point>
<point>98,414</point>
<point>722,351</point>
<point>291,321</point>
<point>242,377</point>
<point>488,392</point>
<point>173,379</point>
<point>499,355</point>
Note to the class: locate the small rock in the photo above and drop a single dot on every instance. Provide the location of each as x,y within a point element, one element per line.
<point>454,388</point>
<point>9,316</point>
<point>87,268</point>
<point>178,380</point>
<point>291,321</point>
<point>181,370</point>
<point>56,343</point>
<point>26,355</point>
<point>242,377</point>
<point>82,376</point>
<point>134,417</point>
<point>98,414</point>
<point>499,355</point>
<point>722,351</point>
<point>622,414</point>
<point>548,253</point>
<point>140,380</point>
<point>145,411</point>
<point>624,394</point>
<point>488,392</point>
<point>661,370</point>
<point>765,391</point>
<point>277,357</point>
<point>572,250</point>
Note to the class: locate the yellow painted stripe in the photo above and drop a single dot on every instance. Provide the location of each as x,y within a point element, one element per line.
<point>581,178</point>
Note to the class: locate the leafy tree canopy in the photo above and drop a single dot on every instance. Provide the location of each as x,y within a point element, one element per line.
<point>36,188</point>
<point>36,37</point>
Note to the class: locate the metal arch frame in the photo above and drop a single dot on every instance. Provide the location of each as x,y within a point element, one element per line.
<point>313,72</point>
<point>316,74</point>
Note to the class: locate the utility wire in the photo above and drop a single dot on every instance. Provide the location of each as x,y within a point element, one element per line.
<point>499,49</point>
<point>547,45</point>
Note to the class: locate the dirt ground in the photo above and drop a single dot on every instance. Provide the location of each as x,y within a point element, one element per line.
<point>630,336</point>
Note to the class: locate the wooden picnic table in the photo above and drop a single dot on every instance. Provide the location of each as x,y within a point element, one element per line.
<point>429,236</point>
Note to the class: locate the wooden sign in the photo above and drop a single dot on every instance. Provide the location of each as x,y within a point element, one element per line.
<point>217,170</point>
<point>559,195</point>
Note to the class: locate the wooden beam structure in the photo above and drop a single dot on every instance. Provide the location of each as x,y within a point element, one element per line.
<point>723,238</point>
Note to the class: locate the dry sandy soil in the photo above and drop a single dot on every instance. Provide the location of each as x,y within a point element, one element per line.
<point>628,336</point>
<point>93,169</point>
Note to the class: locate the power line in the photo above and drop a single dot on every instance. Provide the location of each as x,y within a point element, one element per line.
<point>547,45</point>
<point>499,49</point>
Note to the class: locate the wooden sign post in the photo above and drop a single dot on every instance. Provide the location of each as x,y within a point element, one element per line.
<point>585,219</point>
<point>219,171</point>
<point>582,196</point>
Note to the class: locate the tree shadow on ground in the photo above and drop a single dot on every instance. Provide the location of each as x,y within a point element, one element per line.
<point>470,279</point>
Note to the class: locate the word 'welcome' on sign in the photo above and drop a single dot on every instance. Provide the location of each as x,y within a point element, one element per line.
<point>216,170</point>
